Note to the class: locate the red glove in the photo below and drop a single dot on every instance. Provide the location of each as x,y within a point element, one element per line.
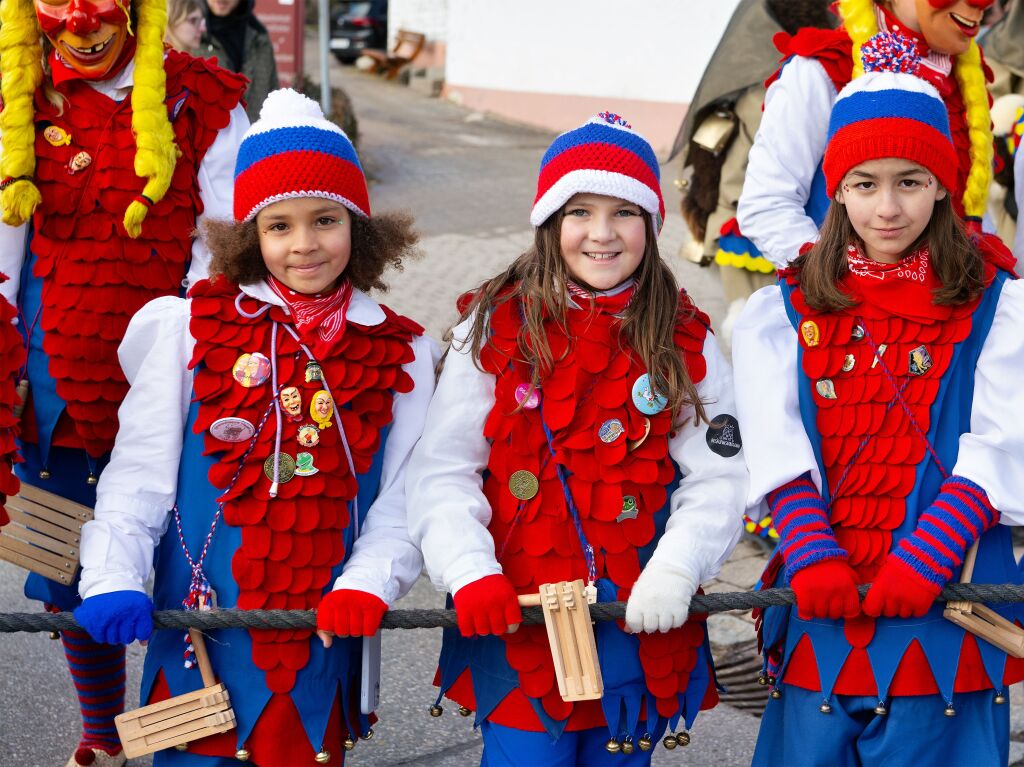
<point>827,589</point>
<point>487,606</point>
<point>899,592</point>
<point>347,612</point>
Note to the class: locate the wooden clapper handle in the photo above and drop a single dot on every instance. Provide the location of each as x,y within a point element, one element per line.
<point>202,658</point>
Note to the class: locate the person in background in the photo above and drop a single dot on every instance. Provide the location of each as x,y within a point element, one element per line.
<point>186,23</point>
<point>242,44</point>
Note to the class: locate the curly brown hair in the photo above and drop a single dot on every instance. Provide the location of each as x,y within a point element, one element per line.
<point>378,243</point>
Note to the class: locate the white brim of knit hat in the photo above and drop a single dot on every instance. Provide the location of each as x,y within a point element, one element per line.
<point>589,181</point>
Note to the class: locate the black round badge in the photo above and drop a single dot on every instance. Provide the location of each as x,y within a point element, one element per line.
<point>723,435</point>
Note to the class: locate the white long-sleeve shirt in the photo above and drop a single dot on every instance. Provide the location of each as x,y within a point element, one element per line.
<point>449,513</point>
<point>775,441</point>
<point>138,488</point>
<point>216,178</point>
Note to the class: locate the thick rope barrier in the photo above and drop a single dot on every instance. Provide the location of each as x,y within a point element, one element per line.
<point>426,619</point>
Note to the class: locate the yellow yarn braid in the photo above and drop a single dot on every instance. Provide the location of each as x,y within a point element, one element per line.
<point>971,78</point>
<point>861,25</point>
<point>21,59</point>
<point>156,152</point>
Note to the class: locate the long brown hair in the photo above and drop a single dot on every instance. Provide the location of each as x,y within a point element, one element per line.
<point>538,278</point>
<point>956,261</point>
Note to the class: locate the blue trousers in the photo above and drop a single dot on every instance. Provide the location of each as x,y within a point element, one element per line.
<point>509,747</point>
<point>915,733</point>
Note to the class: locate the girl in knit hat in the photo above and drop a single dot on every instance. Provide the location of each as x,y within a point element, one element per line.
<point>582,428</point>
<point>877,386</point>
<point>212,480</point>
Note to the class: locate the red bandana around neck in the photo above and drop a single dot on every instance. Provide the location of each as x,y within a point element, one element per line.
<point>612,301</point>
<point>914,267</point>
<point>322,317</point>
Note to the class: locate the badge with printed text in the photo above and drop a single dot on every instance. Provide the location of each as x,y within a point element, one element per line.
<point>56,136</point>
<point>321,408</point>
<point>610,430</point>
<point>645,398</point>
<point>527,397</point>
<point>826,388</point>
<point>308,435</point>
<point>723,435</point>
<point>304,465</point>
<point>523,484</point>
<point>920,361</point>
<point>285,467</point>
<point>291,402</point>
<point>809,331</point>
<point>251,369</point>
<point>232,429</point>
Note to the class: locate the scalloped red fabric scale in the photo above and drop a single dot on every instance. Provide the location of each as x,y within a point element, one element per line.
<point>96,276</point>
<point>291,543</point>
<point>870,488</point>
<point>536,540</point>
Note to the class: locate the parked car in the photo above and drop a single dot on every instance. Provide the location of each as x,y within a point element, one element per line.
<point>358,25</point>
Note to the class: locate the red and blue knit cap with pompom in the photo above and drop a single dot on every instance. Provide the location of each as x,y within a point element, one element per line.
<point>889,112</point>
<point>603,156</point>
<point>294,151</point>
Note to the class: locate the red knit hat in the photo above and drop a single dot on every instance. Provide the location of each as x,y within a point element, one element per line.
<point>889,112</point>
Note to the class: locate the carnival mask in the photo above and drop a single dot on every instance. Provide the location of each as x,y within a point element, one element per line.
<point>87,36</point>
<point>949,26</point>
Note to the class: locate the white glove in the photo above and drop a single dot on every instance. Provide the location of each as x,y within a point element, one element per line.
<point>660,599</point>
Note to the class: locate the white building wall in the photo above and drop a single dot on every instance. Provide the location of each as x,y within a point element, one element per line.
<point>427,16</point>
<point>647,50</point>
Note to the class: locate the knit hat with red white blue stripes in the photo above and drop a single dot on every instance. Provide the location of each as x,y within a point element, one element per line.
<point>603,156</point>
<point>889,112</point>
<point>293,151</point>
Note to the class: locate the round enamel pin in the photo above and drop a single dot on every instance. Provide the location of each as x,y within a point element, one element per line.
<point>611,430</point>
<point>308,435</point>
<point>232,429</point>
<point>251,369</point>
<point>285,467</point>
<point>527,397</point>
<point>523,484</point>
<point>857,333</point>
<point>645,398</point>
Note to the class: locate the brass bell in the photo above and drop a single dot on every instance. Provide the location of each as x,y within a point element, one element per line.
<point>181,747</point>
<point>368,734</point>
<point>92,479</point>
<point>54,635</point>
<point>45,474</point>
<point>1000,699</point>
<point>683,738</point>
<point>645,743</point>
<point>776,694</point>
<point>771,680</point>
<point>349,744</point>
<point>880,709</point>
<point>762,679</point>
<point>323,756</point>
<point>950,711</point>
<point>242,755</point>
<point>463,711</point>
<point>825,708</point>
<point>627,746</point>
<point>669,741</point>
<point>436,711</point>
<point>612,746</point>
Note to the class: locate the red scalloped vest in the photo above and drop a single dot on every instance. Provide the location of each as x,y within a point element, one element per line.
<point>291,544</point>
<point>535,540</point>
<point>96,276</point>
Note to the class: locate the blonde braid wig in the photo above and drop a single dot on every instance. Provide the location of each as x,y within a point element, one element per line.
<point>861,25</point>
<point>21,60</point>
<point>156,152</point>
